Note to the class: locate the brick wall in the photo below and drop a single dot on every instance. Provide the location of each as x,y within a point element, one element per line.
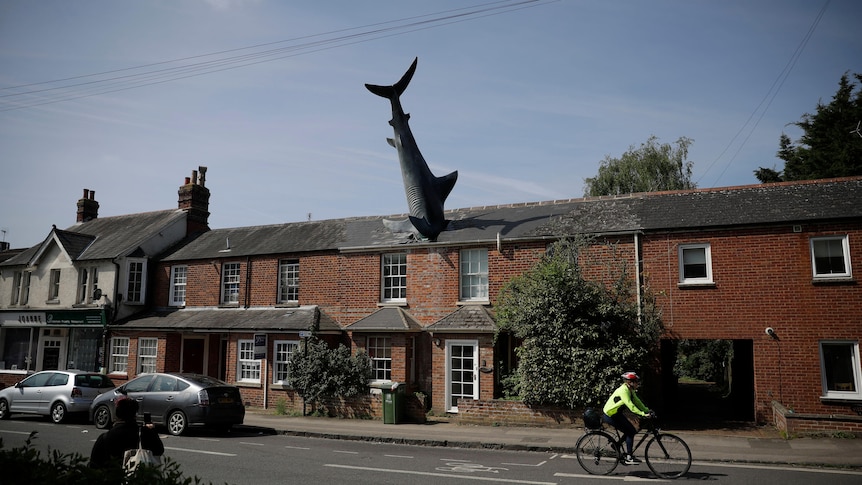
<point>515,413</point>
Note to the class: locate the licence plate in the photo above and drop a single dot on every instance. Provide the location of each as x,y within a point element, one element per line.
<point>225,400</point>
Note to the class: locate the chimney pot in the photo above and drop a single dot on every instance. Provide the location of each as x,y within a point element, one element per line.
<point>92,195</point>
<point>188,180</point>
<point>86,194</point>
<point>195,177</point>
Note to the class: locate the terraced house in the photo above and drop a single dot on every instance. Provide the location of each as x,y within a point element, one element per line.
<point>768,267</point>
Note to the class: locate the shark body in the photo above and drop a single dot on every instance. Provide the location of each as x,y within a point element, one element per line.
<point>426,193</point>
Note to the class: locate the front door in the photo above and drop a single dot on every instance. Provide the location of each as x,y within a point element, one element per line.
<point>462,372</point>
<point>193,355</point>
<point>50,352</point>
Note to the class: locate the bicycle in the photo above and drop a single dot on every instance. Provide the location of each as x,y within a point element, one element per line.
<point>667,455</point>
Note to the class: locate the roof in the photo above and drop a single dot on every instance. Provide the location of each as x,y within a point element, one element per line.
<point>753,205</point>
<point>468,318</point>
<point>104,237</point>
<point>387,319</point>
<point>235,319</point>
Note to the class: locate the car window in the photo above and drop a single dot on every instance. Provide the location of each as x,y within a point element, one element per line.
<point>138,385</point>
<point>58,379</point>
<point>93,380</point>
<point>207,381</point>
<point>37,380</point>
<point>182,385</point>
<point>165,384</point>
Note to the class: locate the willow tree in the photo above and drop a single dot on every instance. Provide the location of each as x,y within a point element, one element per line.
<point>651,167</point>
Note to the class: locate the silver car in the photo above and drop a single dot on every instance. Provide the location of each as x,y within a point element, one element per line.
<point>176,401</point>
<point>55,393</point>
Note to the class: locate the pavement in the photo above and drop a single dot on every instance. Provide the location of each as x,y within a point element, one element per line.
<point>737,443</point>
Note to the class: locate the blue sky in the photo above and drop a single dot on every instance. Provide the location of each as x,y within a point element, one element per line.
<point>524,101</point>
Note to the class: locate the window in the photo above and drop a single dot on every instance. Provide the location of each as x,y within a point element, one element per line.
<point>148,352</point>
<point>474,274</point>
<point>87,282</point>
<point>380,351</point>
<point>695,264</point>
<point>230,283</point>
<point>288,282</point>
<point>839,367</point>
<point>179,277</point>
<point>54,288</point>
<point>17,343</point>
<point>16,287</point>
<point>248,369</point>
<point>136,276</point>
<point>830,257</point>
<point>119,363</point>
<point>283,349</point>
<point>394,271</point>
<point>25,288</point>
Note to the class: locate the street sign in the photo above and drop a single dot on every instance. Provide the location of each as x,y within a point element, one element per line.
<point>304,334</point>
<point>259,346</point>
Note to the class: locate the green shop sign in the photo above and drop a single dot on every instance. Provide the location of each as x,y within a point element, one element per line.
<point>72,317</point>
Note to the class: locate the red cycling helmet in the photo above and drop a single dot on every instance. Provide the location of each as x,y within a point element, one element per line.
<point>631,376</point>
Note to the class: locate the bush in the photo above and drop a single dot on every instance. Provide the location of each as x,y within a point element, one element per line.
<point>25,465</point>
<point>319,373</point>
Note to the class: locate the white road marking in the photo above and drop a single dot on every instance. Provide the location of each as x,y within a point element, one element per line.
<point>249,443</point>
<point>297,447</point>
<point>526,464</point>
<point>15,432</point>
<point>625,478</point>
<point>446,475</point>
<point>398,456</point>
<point>346,452</point>
<point>777,467</point>
<point>200,451</point>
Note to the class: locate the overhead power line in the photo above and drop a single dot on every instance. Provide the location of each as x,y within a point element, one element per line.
<point>767,99</point>
<point>66,89</point>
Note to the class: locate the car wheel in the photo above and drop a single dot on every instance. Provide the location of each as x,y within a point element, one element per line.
<point>177,423</point>
<point>4,409</point>
<point>102,417</point>
<point>58,412</point>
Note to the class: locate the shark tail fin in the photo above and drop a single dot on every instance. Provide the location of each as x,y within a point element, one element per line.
<point>445,184</point>
<point>396,89</point>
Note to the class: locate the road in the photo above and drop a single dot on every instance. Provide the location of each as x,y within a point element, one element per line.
<point>257,455</point>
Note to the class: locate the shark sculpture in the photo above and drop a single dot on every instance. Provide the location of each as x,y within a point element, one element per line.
<point>426,193</point>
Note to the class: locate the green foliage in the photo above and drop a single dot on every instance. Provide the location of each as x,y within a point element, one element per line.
<point>25,465</point>
<point>650,168</point>
<point>577,335</point>
<point>705,360</point>
<point>319,373</point>
<point>830,146</point>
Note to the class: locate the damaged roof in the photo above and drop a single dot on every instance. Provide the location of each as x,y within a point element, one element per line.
<point>754,205</point>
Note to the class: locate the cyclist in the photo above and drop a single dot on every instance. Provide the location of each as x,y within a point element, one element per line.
<point>623,401</point>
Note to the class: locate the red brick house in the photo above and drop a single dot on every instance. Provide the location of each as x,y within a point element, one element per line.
<point>726,263</point>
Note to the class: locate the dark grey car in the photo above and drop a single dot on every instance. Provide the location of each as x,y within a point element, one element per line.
<point>176,401</point>
<point>55,393</point>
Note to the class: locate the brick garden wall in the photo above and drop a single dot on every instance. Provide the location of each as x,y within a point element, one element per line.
<point>490,412</point>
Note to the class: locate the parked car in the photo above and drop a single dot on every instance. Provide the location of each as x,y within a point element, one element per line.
<point>55,393</point>
<point>176,401</point>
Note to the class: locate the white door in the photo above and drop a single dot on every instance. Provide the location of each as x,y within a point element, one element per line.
<point>52,350</point>
<point>462,372</point>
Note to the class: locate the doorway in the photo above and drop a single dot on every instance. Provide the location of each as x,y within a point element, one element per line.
<point>462,372</point>
<point>193,355</point>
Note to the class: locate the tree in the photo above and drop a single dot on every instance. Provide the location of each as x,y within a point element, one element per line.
<point>831,144</point>
<point>650,168</point>
<point>319,373</point>
<point>577,335</point>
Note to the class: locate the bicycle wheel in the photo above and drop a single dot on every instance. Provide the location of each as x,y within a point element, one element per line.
<point>597,453</point>
<point>668,456</point>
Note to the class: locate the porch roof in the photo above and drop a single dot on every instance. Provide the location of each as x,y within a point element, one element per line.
<point>467,319</point>
<point>296,319</point>
<point>387,319</point>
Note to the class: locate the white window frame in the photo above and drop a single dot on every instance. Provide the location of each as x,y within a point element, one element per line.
<point>88,281</point>
<point>54,285</point>
<point>282,351</point>
<point>230,281</point>
<point>854,394</point>
<point>288,281</point>
<point>393,277</point>
<point>141,296</point>
<point>247,367</point>
<point>148,355</point>
<point>24,299</point>
<point>707,253</point>
<point>179,284</point>
<point>473,274</point>
<point>119,363</point>
<point>16,287</point>
<point>845,253</point>
<point>379,350</point>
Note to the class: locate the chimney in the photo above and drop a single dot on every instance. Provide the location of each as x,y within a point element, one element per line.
<point>88,208</point>
<point>195,199</point>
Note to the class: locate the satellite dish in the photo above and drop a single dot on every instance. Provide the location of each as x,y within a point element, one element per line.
<point>97,294</point>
